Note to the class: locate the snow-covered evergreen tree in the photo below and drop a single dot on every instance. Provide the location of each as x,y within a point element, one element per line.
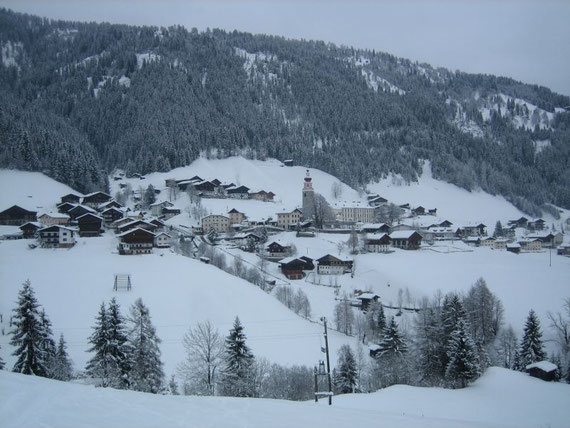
<point>463,365</point>
<point>376,320</point>
<point>118,345</point>
<point>484,313</point>
<point>392,356</point>
<point>2,363</point>
<point>28,335</point>
<point>49,348</point>
<point>146,372</point>
<point>451,312</point>
<point>101,366</point>
<point>346,371</point>
<point>238,362</point>
<point>427,347</point>
<point>532,349</point>
<point>63,368</point>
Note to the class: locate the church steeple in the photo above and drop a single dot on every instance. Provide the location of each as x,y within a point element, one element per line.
<point>308,197</point>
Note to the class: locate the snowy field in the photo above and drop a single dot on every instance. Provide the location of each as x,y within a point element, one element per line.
<point>501,398</point>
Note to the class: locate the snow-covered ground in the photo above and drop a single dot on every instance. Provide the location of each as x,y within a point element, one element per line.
<point>501,398</point>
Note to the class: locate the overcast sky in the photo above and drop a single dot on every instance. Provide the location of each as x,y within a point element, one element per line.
<point>526,40</point>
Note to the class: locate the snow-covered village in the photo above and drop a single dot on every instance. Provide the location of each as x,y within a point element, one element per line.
<point>224,273</point>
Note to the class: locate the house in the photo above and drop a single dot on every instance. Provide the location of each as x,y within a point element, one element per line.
<point>141,224</point>
<point>400,227</point>
<point>275,249</point>
<point>89,225</point>
<point>366,299</point>
<point>378,244</point>
<point>309,262</point>
<point>500,244</point>
<point>56,236</point>
<point>54,218</point>
<point>288,219</point>
<point>472,230</point>
<point>156,208</point>
<point>537,224</point>
<point>111,215</point>
<point>331,265</point>
<point>262,195</point>
<point>548,239</point>
<point>160,225</point>
<point>30,229</point>
<point>406,239</point>
<point>376,200</point>
<point>544,370</point>
<point>162,240</point>
<point>65,207</point>
<point>241,192</point>
<point>355,211</point>
<point>441,233</point>
<point>445,223</point>
<point>563,250</point>
<point>71,197</point>
<point>433,212</point>
<point>219,223</point>
<point>530,244</point>
<point>206,188</point>
<point>236,217</point>
<point>95,199</point>
<point>136,241</point>
<point>168,212</point>
<point>488,242</point>
<point>520,222</point>
<point>111,204</point>
<point>375,228</point>
<point>16,216</point>
<point>419,211</point>
<point>293,268</point>
<point>122,221</point>
<point>79,210</point>
<point>473,241</point>
<point>513,248</point>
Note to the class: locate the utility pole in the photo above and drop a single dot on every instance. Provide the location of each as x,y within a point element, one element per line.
<point>328,360</point>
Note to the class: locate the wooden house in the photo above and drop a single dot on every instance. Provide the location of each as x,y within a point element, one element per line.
<point>56,236</point>
<point>406,239</point>
<point>544,370</point>
<point>53,218</point>
<point>473,241</point>
<point>169,212</point>
<point>378,243</point>
<point>548,239</point>
<point>235,216</point>
<point>375,228</point>
<point>71,197</point>
<point>520,222</point>
<point>206,188</point>
<point>432,211</point>
<point>262,195</point>
<point>309,262</point>
<point>331,265</point>
<point>530,244</point>
<point>156,208</point>
<point>376,200</point>
<point>293,268</point>
<point>17,216</point>
<point>536,224</point>
<point>30,229</point>
<point>141,224</point>
<point>419,211</point>
<point>95,199</point>
<point>162,240</point>
<point>240,192</point>
<point>89,225</point>
<point>366,299</point>
<point>79,210</point>
<point>111,204</point>
<point>112,214</point>
<point>275,249</point>
<point>160,225</point>
<point>136,241</point>
<point>445,223</point>
<point>65,207</point>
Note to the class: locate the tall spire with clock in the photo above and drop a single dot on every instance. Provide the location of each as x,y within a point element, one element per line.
<point>308,198</point>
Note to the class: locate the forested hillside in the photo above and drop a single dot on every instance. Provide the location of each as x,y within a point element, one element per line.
<point>79,99</point>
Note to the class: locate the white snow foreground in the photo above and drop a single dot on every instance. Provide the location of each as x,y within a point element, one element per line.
<point>501,398</point>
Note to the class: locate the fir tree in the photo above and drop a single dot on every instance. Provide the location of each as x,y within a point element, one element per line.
<point>146,372</point>
<point>63,368</point>
<point>346,372</point>
<point>118,345</point>
<point>238,359</point>
<point>498,230</point>
<point>427,349</point>
<point>463,365</point>
<point>48,343</point>
<point>101,365</point>
<point>532,349</point>
<point>28,336</point>
<point>392,356</point>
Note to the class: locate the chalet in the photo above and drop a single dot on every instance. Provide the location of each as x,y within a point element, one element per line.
<point>241,192</point>
<point>56,236</point>
<point>530,244</point>
<point>500,244</point>
<point>30,229</point>
<point>16,216</point>
<point>441,233</point>
<point>419,211</point>
<point>288,162</point>
<point>65,207</point>
<point>89,225</point>
<point>79,210</point>
<point>275,249</point>
<point>122,221</point>
<point>262,195</point>
<point>156,208</point>
<point>71,197</point>
<point>563,250</point>
<point>309,262</point>
<point>488,242</point>
<point>375,228</point>
<point>378,244</point>
<point>376,200</point>
<point>445,223</point>
<point>331,265</point>
<point>206,188</point>
<point>473,241</point>
<point>236,217</point>
<point>184,185</point>
<point>548,239</point>
<point>168,212</point>
<point>432,211</point>
<point>111,215</point>
<point>140,224</point>
<point>218,223</point>
<point>136,241</point>
<point>401,227</point>
<point>513,248</point>
<point>366,299</point>
<point>245,239</point>
<point>406,239</point>
<point>160,225</point>
<point>472,230</point>
<point>288,219</point>
<point>293,268</point>
<point>162,240</point>
<point>53,218</point>
<point>111,204</point>
<point>536,224</point>
<point>544,370</point>
<point>95,199</point>
<point>520,222</point>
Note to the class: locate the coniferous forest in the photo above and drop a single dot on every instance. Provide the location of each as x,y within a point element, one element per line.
<point>80,99</point>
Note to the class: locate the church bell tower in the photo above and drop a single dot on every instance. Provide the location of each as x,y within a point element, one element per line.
<point>308,198</point>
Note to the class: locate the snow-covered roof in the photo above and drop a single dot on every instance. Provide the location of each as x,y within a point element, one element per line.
<point>55,215</point>
<point>402,234</point>
<point>367,296</point>
<point>128,232</point>
<point>90,214</point>
<point>289,260</point>
<point>350,204</point>
<point>545,366</point>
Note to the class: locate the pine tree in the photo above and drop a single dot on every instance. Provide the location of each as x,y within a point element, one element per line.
<point>146,372</point>
<point>346,373</point>
<point>149,197</point>
<point>238,359</point>
<point>118,345</point>
<point>48,343</point>
<point>463,363</point>
<point>392,356</point>
<point>63,368</point>
<point>532,349</point>
<point>101,365</point>
<point>28,336</point>
<point>498,230</point>
<point>427,349</point>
